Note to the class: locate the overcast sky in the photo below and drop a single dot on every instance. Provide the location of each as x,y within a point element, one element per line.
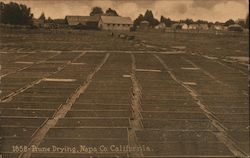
<point>211,10</point>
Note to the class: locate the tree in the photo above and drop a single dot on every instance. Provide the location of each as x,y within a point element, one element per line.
<point>2,5</point>
<point>219,23</point>
<point>111,12</point>
<point>188,21</point>
<point>148,16</point>
<point>96,11</point>
<point>42,17</point>
<point>201,22</point>
<point>210,24</point>
<point>167,21</point>
<point>15,14</point>
<point>49,20</point>
<point>229,22</point>
<point>138,20</point>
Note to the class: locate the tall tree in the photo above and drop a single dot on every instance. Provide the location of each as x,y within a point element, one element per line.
<point>148,16</point>
<point>210,24</point>
<point>229,22</point>
<point>189,21</point>
<point>49,20</point>
<point>201,22</point>
<point>2,6</point>
<point>138,20</point>
<point>16,14</point>
<point>111,12</point>
<point>96,11</point>
<point>167,21</point>
<point>42,17</point>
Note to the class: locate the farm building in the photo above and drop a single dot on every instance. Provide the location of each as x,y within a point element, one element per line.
<point>176,26</point>
<point>235,27</point>
<point>38,22</point>
<point>144,25</point>
<point>55,24</point>
<point>184,26</point>
<point>85,22</point>
<point>193,26</point>
<point>161,26</point>
<point>203,26</point>
<point>115,23</point>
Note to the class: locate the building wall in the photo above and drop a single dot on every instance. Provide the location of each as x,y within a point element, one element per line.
<point>125,27</point>
<point>38,23</point>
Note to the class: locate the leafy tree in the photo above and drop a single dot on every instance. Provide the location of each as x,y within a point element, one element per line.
<point>96,11</point>
<point>111,12</point>
<point>138,20</point>
<point>50,19</point>
<point>210,24</point>
<point>148,16</point>
<point>15,14</point>
<point>229,22</point>
<point>167,21</point>
<point>201,22</point>
<point>42,17</point>
<point>187,21</point>
<point>219,23</point>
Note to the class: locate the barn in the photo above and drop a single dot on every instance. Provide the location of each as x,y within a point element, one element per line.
<point>85,22</point>
<point>115,23</point>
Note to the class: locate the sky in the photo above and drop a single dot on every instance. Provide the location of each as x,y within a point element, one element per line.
<point>211,10</point>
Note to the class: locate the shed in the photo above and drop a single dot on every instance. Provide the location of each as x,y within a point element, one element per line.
<point>87,22</point>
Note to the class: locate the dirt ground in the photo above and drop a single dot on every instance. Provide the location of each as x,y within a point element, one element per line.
<point>76,93</point>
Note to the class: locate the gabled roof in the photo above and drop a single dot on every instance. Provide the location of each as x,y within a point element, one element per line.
<point>116,20</point>
<point>75,20</point>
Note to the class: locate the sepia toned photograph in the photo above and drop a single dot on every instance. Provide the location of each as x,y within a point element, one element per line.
<point>124,79</point>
